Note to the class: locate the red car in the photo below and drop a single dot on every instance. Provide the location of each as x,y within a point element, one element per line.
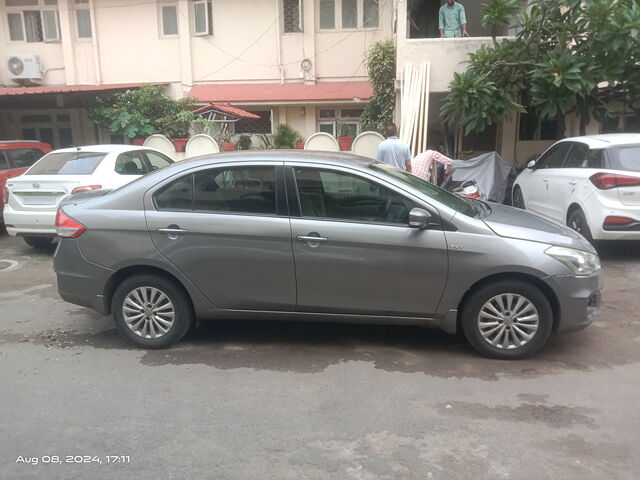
<point>16,156</point>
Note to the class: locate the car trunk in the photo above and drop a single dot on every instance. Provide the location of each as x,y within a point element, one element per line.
<point>35,192</point>
<point>624,161</point>
<point>630,195</point>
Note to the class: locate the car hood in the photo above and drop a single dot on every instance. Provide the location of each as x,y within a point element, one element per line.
<point>512,222</point>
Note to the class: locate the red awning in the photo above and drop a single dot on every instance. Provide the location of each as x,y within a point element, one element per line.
<point>69,88</point>
<point>226,109</point>
<point>276,92</point>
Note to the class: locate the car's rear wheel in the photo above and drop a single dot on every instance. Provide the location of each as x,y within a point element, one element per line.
<point>507,319</point>
<point>151,311</point>
<point>517,199</point>
<point>578,222</point>
<point>40,243</point>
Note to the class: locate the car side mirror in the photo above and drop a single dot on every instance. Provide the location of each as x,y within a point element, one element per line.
<point>419,218</point>
<point>531,164</point>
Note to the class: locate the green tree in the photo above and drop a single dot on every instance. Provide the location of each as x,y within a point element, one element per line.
<point>381,67</point>
<point>568,56</point>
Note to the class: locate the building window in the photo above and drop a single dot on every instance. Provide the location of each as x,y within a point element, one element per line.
<point>349,14</point>
<point>168,20</point>
<point>254,126</point>
<point>46,127</point>
<point>27,21</point>
<point>533,128</point>
<point>338,122</point>
<point>202,18</point>
<point>327,14</point>
<point>83,19</point>
<point>292,13</point>
<point>370,14</point>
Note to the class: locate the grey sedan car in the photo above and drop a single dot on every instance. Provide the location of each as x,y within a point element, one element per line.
<point>320,236</point>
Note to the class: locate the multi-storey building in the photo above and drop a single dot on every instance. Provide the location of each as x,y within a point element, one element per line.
<point>299,62</point>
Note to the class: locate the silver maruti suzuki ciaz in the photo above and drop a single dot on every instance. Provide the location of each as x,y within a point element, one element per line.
<point>325,237</point>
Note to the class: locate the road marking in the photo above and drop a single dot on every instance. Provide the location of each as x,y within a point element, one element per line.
<point>12,265</point>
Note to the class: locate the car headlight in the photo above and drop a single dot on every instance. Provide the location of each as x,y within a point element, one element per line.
<point>581,263</point>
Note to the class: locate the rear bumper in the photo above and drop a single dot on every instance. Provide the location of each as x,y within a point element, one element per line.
<point>79,281</point>
<point>599,207</point>
<point>29,222</point>
<point>579,299</point>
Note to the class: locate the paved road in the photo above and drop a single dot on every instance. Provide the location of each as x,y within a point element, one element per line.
<point>240,400</point>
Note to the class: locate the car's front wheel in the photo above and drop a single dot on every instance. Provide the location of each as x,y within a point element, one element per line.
<point>507,319</point>
<point>40,243</point>
<point>151,311</point>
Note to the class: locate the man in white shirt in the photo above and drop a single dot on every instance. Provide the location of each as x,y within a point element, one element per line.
<point>394,151</point>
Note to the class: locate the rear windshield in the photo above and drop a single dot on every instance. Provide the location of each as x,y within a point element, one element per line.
<point>23,157</point>
<point>624,158</point>
<point>67,163</point>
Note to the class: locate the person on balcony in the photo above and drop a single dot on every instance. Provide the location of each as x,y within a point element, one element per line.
<point>453,21</point>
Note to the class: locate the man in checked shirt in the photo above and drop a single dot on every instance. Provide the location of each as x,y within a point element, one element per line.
<point>421,165</point>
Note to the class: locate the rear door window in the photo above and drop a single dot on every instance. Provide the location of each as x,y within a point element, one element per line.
<point>177,195</point>
<point>67,163</point>
<point>4,165</point>
<point>554,158</point>
<point>577,156</point>
<point>131,163</point>
<point>23,157</point>
<point>248,190</point>
<point>156,161</point>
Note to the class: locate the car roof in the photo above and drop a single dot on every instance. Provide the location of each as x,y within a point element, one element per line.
<point>102,148</point>
<point>12,143</point>
<point>334,158</point>
<point>606,140</point>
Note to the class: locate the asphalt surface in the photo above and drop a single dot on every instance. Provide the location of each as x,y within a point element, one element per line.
<point>271,400</point>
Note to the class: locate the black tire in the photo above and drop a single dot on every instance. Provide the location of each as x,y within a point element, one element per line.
<point>183,311</point>
<point>517,199</point>
<point>41,243</point>
<point>578,222</point>
<point>471,316</point>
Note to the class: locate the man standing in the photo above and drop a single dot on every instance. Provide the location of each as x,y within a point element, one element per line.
<point>453,21</point>
<point>394,151</point>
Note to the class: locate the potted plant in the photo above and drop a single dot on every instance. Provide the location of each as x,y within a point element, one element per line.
<point>226,142</point>
<point>299,142</point>
<point>176,127</point>
<point>344,139</point>
<point>285,137</point>
<point>244,142</point>
<point>143,112</point>
<point>266,142</point>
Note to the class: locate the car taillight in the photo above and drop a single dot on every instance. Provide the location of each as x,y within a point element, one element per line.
<point>618,220</point>
<point>606,181</point>
<point>86,188</point>
<point>67,227</point>
<point>5,195</point>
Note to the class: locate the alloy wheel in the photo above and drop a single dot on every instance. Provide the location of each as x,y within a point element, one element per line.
<point>148,312</point>
<point>508,321</point>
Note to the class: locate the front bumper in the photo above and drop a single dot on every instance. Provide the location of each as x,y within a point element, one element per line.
<point>579,299</point>
<point>80,281</point>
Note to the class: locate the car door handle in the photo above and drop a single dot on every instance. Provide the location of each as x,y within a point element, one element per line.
<point>311,238</point>
<point>545,179</point>
<point>573,182</point>
<point>173,231</point>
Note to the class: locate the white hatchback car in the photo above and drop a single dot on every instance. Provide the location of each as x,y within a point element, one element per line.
<point>591,183</point>
<point>32,199</point>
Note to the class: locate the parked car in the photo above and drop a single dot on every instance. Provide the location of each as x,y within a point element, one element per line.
<point>304,235</point>
<point>590,183</point>
<point>16,156</point>
<point>31,200</point>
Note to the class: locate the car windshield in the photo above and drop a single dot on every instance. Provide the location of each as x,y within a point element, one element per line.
<point>624,158</point>
<point>437,193</point>
<point>67,163</point>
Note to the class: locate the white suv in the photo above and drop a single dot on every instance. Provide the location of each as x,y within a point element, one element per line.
<point>32,198</point>
<point>591,183</point>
